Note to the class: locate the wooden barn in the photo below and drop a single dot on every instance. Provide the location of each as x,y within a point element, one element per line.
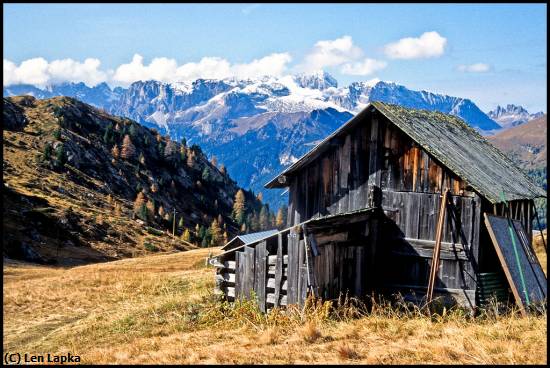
<point>373,206</point>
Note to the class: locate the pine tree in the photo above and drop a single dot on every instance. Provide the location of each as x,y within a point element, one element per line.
<point>180,223</point>
<point>183,153</point>
<point>108,136</point>
<point>60,156</point>
<point>47,154</point>
<point>263,218</point>
<point>57,134</point>
<point>132,131</point>
<point>170,150</point>
<point>128,149</point>
<point>239,207</point>
<point>184,142</point>
<point>206,174</point>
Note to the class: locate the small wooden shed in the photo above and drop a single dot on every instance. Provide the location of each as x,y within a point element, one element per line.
<point>363,209</point>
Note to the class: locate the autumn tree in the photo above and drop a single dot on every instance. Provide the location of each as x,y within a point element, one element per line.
<point>180,223</point>
<point>225,237</point>
<point>280,220</point>
<point>140,209</point>
<point>239,207</point>
<point>260,197</point>
<point>223,170</point>
<point>128,149</point>
<point>215,232</point>
<point>115,152</point>
<point>186,236</point>
<point>151,209</point>
<point>190,158</point>
<point>161,212</point>
<point>214,161</point>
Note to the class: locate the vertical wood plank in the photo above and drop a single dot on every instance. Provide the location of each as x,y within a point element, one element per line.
<point>250,271</point>
<point>238,275</point>
<point>260,279</point>
<point>278,268</point>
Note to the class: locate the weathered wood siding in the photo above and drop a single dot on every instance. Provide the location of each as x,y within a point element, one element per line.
<point>408,238</point>
<point>374,152</point>
<point>273,270</point>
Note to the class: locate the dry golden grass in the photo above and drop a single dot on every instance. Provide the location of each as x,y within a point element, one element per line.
<point>159,309</point>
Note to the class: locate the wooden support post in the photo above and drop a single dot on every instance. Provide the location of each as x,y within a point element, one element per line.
<point>437,248</point>
<point>309,263</point>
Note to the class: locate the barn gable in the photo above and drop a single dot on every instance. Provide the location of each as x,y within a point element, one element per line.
<point>451,141</point>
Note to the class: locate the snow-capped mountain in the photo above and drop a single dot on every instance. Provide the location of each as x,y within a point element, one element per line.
<point>259,126</point>
<point>512,115</point>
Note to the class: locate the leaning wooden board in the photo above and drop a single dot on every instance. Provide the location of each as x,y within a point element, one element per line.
<point>527,279</point>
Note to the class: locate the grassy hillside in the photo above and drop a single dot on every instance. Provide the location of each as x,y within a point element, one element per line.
<point>81,185</point>
<point>526,146</point>
<point>159,309</point>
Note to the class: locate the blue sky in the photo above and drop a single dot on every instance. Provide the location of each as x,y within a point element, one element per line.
<point>492,53</point>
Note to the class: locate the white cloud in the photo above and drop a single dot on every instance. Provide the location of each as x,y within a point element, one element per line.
<point>40,72</point>
<point>365,67</point>
<point>474,68</point>
<point>428,45</point>
<point>331,53</point>
<point>167,70</point>
<point>274,64</point>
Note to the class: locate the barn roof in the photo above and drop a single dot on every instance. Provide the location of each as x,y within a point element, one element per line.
<point>451,141</point>
<point>250,238</point>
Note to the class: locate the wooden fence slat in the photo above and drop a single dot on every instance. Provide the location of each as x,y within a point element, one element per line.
<point>261,273</point>
<point>292,267</point>
<point>278,268</point>
<point>238,274</point>
<point>249,271</point>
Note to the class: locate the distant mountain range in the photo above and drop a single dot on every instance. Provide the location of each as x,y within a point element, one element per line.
<point>256,127</point>
<point>512,115</point>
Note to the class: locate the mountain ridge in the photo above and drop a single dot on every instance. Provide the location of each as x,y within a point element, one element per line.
<point>232,118</point>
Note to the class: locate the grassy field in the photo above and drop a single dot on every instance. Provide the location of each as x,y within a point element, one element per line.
<point>159,309</point>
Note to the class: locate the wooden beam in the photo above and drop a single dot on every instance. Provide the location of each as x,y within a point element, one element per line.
<point>435,259</point>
